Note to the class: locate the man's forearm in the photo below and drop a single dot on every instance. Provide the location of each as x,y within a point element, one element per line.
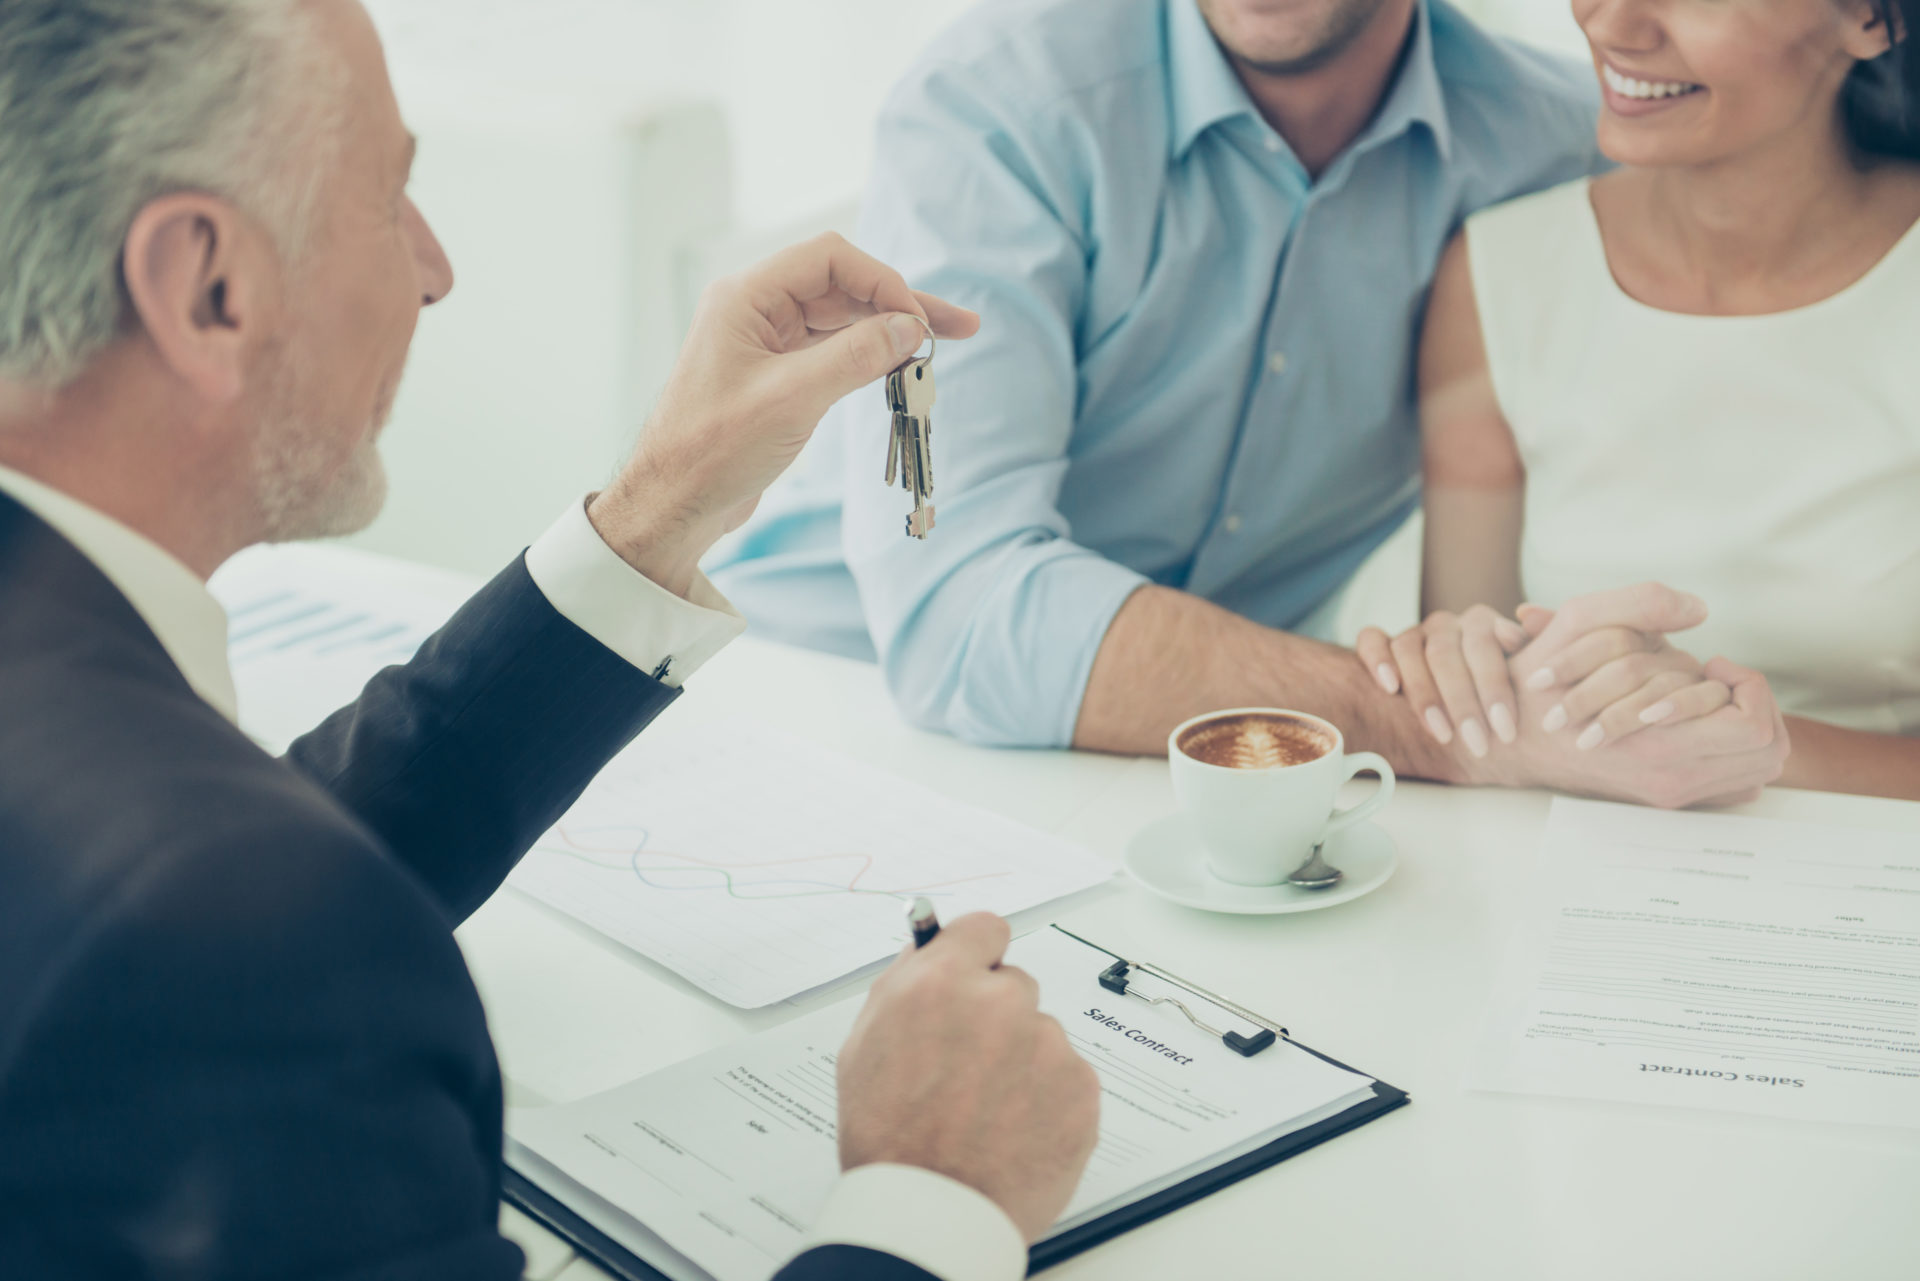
<point>1170,655</point>
<point>1826,758</point>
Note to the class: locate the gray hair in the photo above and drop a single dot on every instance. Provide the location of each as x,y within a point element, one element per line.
<point>107,105</point>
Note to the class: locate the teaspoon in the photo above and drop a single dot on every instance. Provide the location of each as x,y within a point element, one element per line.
<point>1316,873</point>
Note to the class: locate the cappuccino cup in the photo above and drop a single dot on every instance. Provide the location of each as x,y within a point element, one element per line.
<point>1259,785</point>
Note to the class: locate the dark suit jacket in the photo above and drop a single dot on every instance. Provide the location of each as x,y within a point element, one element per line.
<point>236,1036</point>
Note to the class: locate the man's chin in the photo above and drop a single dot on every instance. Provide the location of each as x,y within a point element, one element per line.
<point>363,506</point>
<point>350,501</point>
<point>1284,45</point>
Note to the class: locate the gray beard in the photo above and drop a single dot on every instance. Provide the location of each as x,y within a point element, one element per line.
<point>299,500</point>
<point>301,488</point>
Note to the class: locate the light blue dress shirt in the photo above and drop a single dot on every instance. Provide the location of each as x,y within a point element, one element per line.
<point>1197,363</point>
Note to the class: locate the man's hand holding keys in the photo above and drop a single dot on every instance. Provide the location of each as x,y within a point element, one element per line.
<point>953,1068</point>
<point>770,351</point>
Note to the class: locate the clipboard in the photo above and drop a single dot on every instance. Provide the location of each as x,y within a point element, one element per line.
<point>614,1258</point>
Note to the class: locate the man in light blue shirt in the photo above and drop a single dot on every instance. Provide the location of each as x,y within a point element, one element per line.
<point>1200,233</point>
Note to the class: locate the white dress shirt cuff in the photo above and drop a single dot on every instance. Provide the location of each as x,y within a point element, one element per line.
<point>933,1222</point>
<point>608,599</point>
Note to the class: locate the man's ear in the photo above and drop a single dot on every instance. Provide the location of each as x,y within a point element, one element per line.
<point>205,283</point>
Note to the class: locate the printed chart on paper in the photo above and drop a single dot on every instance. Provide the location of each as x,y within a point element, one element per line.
<point>758,866</point>
<point>307,628</point>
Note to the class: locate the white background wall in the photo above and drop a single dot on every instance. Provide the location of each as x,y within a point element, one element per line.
<point>1545,22</point>
<point>579,158</point>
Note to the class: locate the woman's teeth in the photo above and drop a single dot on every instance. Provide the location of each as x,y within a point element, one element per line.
<point>1628,87</point>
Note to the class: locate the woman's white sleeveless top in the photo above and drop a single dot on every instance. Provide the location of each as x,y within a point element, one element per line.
<point>1769,464</point>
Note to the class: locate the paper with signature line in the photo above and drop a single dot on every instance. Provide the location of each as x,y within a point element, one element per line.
<point>1717,961</point>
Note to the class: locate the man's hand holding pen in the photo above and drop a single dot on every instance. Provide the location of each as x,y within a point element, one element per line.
<point>952,1067</point>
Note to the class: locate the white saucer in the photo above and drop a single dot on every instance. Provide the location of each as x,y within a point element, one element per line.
<point>1166,857</point>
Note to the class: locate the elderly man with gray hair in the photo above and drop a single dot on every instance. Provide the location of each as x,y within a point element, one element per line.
<point>236,1036</point>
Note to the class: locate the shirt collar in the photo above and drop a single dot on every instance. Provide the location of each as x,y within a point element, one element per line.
<point>1417,96</point>
<point>175,604</point>
<point>1202,82</point>
<point>1205,90</point>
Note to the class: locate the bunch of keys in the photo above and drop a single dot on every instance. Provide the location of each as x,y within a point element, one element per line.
<point>910,443</point>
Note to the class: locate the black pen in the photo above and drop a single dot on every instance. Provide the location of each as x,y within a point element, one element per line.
<point>921,920</point>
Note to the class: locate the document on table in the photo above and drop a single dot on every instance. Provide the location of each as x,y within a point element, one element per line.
<point>305,633</point>
<point>758,866</point>
<point>1707,960</point>
<point>727,1158</point>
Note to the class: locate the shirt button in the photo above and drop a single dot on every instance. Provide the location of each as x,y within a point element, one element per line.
<point>1232,523</point>
<point>1277,363</point>
<point>1273,142</point>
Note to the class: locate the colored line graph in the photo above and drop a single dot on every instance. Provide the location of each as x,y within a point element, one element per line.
<point>287,625</point>
<point>629,854</point>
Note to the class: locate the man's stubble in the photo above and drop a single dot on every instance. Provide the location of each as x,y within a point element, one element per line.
<point>1343,24</point>
<point>302,487</point>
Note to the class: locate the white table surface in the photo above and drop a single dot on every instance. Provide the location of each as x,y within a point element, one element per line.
<point>1458,1184</point>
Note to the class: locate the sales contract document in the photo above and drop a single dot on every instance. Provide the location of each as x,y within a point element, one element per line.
<point>715,1167</point>
<point>1709,960</point>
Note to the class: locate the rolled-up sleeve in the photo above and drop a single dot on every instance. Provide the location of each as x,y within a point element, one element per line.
<point>988,629</point>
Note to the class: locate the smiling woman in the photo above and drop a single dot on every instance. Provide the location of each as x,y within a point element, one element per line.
<point>1691,370</point>
<point>1685,78</point>
<point>1632,90</point>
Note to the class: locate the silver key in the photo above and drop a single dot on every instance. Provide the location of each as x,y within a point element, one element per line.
<point>897,402</point>
<point>910,397</point>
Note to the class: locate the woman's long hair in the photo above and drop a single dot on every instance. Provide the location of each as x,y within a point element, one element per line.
<point>1881,99</point>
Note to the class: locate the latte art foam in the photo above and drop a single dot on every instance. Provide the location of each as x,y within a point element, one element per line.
<point>1252,740</point>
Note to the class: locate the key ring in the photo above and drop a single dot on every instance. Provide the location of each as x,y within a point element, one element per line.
<point>933,343</point>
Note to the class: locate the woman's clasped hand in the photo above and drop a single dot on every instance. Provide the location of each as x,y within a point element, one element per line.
<point>1555,686</point>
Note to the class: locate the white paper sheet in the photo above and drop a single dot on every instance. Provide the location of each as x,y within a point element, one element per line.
<point>308,628</point>
<point>758,866</point>
<point>729,1156</point>
<point>1716,961</point>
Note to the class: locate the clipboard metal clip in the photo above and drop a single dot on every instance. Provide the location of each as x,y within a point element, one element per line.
<point>1117,978</point>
